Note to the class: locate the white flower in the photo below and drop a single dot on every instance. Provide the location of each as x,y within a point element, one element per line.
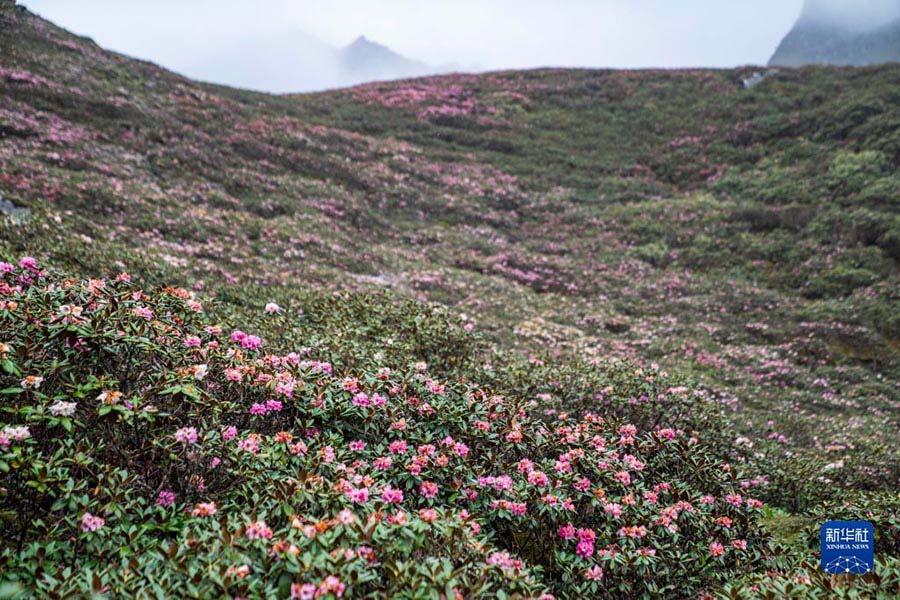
<point>32,382</point>
<point>109,397</point>
<point>200,372</point>
<point>63,409</point>
<point>17,433</point>
<point>271,307</point>
<point>70,309</point>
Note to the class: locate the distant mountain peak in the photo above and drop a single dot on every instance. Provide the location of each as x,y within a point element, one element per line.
<point>364,56</point>
<point>361,42</point>
<point>842,32</point>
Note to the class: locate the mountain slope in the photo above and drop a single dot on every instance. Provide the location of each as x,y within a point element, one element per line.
<point>556,245</point>
<point>488,194</point>
<point>823,44</point>
<point>836,34</point>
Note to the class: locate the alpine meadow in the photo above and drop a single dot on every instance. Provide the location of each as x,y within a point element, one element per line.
<point>544,333</point>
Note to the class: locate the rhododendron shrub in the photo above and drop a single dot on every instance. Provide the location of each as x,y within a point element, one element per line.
<point>230,465</point>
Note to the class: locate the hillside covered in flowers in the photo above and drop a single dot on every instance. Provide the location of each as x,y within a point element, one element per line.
<point>557,333</point>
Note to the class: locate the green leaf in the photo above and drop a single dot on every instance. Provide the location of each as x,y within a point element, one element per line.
<point>10,367</point>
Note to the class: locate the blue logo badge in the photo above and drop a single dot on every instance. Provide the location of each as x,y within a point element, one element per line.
<point>848,547</point>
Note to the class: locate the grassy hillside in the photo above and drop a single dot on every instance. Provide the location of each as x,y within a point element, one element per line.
<point>569,254</point>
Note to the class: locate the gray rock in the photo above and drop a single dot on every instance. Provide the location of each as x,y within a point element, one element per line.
<point>758,77</point>
<point>18,214</point>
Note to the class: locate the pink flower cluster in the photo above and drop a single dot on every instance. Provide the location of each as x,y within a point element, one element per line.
<point>91,522</point>
<point>247,342</point>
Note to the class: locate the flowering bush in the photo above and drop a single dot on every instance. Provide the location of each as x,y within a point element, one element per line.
<point>125,451</point>
<point>156,441</point>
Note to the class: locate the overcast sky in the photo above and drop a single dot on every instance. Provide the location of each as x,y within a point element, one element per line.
<point>201,37</point>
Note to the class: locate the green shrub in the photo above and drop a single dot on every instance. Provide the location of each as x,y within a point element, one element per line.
<point>851,171</point>
<point>145,451</point>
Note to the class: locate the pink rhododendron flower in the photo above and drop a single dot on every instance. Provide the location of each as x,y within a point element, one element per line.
<point>165,498</point>
<point>584,549</point>
<point>258,530</point>
<point>331,585</point>
<point>383,463</point>
<point>429,515</point>
<point>143,312</point>
<point>391,495</point>
<point>358,495</point>
<point>613,509</point>
<point>303,591</point>
<point>186,435</point>
<point>585,534</point>
<point>518,508</point>
<point>250,443</point>
<point>204,509</point>
<point>91,522</point>
<point>428,489</point>
<point>537,478</point>
<point>29,263</point>
<point>633,532</point>
<point>397,447</point>
<point>504,560</point>
<point>734,499</point>
<point>667,433</point>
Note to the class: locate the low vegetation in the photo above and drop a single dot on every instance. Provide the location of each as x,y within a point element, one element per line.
<point>574,333</point>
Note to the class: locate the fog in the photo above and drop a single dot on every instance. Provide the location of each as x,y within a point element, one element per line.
<point>852,14</point>
<point>284,45</point>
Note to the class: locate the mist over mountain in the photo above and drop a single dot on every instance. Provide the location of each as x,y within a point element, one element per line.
<point>289,62</point>
<point>842,32</point>
<point>295,61</point>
